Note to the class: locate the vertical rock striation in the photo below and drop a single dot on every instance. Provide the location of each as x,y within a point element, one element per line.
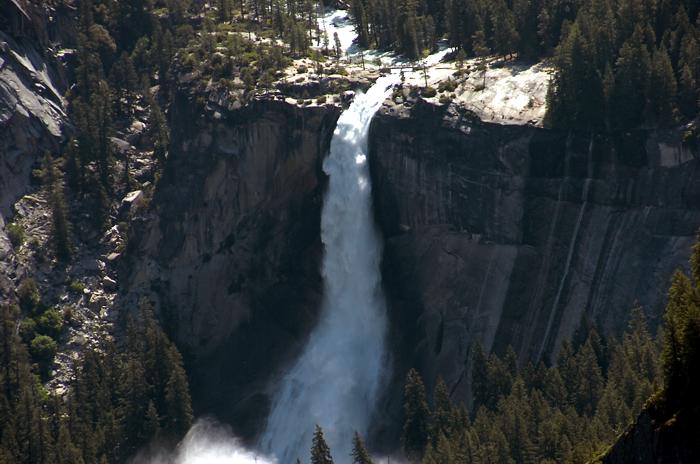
<point>512,234</point>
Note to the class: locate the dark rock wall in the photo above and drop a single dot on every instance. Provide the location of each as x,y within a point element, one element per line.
<point>232,250</point>
<point>511,235</point>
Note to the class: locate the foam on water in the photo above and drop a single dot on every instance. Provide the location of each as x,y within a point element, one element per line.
<point>338,377</point>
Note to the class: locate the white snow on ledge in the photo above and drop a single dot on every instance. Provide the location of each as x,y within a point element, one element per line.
<point>514,93</point>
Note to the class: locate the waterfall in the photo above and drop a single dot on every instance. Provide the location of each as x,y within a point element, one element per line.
<point>337,378</point>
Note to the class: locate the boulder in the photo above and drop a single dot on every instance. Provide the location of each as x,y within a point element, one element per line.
<point>131,202</point>
<point>109,284</point>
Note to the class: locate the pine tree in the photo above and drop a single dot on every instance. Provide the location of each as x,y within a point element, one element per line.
<point>688,91</point>
<point>151,426</point>
<point>361,22</point>
<point>441,453</point>
<point>73,170</point>
<point>505,33</point>
<point>588,381</point>
<point>66,451</point>
<point>178,404</point>
<point>338,47</point>
<point>124,80</point>
<point>359,452</point>
<point>224,9</point>
<point>481,50</point>
<point>320,453</point>
<point>443,419</point>
<point>416,416</point>
<point>408,34</point>
<point>59,214</point>
<point>632,72</point>
<point>480,377</point>
<point>663,87</point>
<point>676,317</point>
<point>160,132</point>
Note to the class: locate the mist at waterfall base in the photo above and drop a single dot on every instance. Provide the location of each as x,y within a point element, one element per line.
<point>336,380</point>
<point>207,442</point>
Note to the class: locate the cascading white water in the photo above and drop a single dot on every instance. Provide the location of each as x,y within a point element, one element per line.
<point>336,380</point>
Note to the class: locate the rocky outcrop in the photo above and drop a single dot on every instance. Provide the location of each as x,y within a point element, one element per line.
<point>231,249</point>
<point>31,114</point>
<point>510,235</point>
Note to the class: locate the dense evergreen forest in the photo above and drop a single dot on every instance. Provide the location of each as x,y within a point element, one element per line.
<point>620,64</point>
<point>120,398</point>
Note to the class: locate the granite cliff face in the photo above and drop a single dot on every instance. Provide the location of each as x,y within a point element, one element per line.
<point>501,234</point>
<point>231,250</point>
<point>513,234</point>
<point>32,113</point>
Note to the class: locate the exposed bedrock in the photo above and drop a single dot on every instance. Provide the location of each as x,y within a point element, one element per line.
<point>231,250</point>
<point>32,122</point>
<point>512,234</point>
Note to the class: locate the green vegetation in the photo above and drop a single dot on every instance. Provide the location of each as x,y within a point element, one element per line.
<point>28,295</point>
<point>320,453</point>
<point>428,92</point>
<point>563,413</point>
<point>360,455</point>
<point>120,398</point>
<point>678,405</point>
<point>625,63</point>
<point>15,232</point>
<point>416,416</point>
<point>569,412</point>
<point>620,63</point>
<point>75,286</point>
<point>50,323</point>
<point>43,349</point>
<point>234,61</point>
<point>53,179</point>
